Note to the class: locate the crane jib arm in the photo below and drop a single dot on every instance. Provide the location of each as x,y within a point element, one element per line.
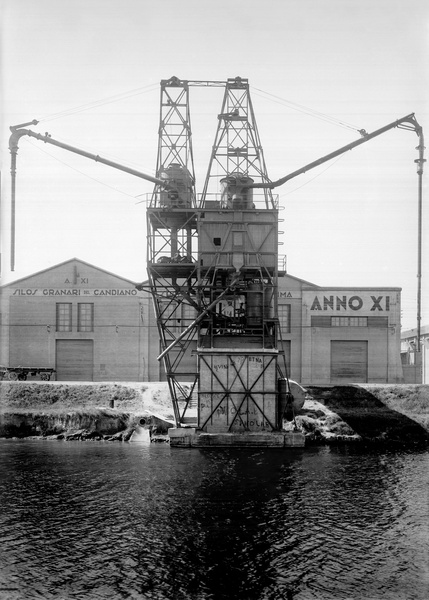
<point>408,119</point>
<point>17,133</point>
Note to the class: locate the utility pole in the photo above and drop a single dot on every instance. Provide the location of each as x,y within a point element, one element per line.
<point>420,162</point>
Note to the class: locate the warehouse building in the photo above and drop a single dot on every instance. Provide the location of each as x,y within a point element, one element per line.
<point>91,325</point>
<point>415,361</point>
<point>82,321</point>
<point>340,335</point>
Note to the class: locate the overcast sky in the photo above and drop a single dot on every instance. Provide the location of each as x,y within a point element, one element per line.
<point>89,71</point>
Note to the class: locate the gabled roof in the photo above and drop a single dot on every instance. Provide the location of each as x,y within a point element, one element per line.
<point>410,333</point>
<point>71,260</point>
<point>298,279</point>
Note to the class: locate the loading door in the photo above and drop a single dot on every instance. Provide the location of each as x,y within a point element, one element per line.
<point>349,361</point>
<point>75,360</point>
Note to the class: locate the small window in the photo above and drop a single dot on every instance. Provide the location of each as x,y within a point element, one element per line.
<point>85,317</point>
<point>217,241</point>
<point>284,317</point>
<point>64,316</point>
<point>358,321</point>
<point>349,321</point>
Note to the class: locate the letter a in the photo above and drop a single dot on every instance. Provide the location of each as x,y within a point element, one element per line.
<point>316,304</point>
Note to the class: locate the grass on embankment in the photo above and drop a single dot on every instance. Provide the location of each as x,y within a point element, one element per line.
<point>411,400</point>
<point>397,413</point>
<point>383,412</point>
<point>24,397</point>
<point>52,408</point>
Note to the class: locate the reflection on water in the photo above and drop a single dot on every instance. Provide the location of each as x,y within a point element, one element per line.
<point>100,521</point>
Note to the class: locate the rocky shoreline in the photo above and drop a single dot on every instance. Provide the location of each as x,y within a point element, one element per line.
<point>135,412</point>
<point>100,424</point>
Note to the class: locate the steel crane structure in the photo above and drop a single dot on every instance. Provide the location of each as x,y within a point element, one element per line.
<point>213,269</point>
<point>212,263</point>
<point>212,266</point>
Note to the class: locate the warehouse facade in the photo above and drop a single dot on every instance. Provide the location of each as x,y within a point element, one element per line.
<point>340,335</point>
<point>91,325</point>
<point>82,321</point>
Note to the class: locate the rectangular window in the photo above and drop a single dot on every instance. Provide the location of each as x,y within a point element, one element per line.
<point>85,316</point>
<point>349,321</point>
<point>378,322</point>
<point>284,317</point>
<point>64,316</point>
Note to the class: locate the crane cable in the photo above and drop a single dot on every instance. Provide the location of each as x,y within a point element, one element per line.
<point>312,178</point>
<point>97,103</point>
<point>81,172</point>
<point>308,111</point>
<point>153,86</point>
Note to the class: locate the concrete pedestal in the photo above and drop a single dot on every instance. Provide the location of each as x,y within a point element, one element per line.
<point>184,437</point>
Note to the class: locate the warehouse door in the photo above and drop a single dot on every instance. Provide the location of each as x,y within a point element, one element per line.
<point>349,362</point>
<point>75,360</point>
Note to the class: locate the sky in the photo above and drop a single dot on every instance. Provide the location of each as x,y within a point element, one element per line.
<point>319,70</point>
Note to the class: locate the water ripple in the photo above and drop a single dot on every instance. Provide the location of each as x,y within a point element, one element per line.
<point>100,521</point>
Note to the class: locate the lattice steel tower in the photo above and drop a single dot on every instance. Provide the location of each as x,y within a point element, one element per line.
<point>213,268</point>
<point>238,339</point>
<point>172,242</point>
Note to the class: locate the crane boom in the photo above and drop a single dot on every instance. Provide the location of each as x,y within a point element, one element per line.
<point>18,131</point>
<point>410,119</point>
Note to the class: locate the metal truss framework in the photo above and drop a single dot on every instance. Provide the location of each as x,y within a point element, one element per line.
<point>238,356</point>
<point>174,134</point>
<point>237,147</point>
<point>190,283</point>
<point>171,242</point>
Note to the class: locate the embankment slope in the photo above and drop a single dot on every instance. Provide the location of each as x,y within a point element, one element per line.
<point>391,413</point>
<point>80,410</point>
<point>375,413</point>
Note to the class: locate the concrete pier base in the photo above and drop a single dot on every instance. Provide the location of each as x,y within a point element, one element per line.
<point>190,437</point>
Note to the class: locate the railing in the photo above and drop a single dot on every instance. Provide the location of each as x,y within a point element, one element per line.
<point>162,200</point>
<point>282,263</point>
<point>258,202</point>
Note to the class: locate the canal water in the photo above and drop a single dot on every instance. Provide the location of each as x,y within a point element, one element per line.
<point>94,520</point>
